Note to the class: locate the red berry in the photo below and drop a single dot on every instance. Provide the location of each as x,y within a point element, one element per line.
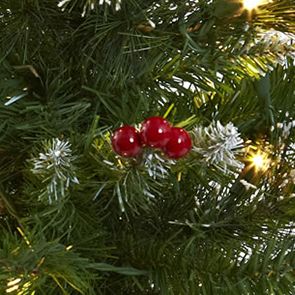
<point>179,144</point>
<point>126,141</point>
<point>155,132</point>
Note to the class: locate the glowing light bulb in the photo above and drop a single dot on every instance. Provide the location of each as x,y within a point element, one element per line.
<point>252,4</point>
<point>258,161</point>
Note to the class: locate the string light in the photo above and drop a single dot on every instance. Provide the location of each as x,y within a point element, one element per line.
<point>259,161</point>
<point>252,4</point>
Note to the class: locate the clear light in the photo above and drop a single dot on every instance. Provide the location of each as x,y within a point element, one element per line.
<point>259,160</point>
<point>252,4</point>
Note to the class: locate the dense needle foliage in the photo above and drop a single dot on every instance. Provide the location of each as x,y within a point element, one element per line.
<point>73,71</point>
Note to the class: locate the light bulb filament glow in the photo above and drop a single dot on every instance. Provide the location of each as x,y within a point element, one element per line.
<point>252,4</point>
<point>259,161</point>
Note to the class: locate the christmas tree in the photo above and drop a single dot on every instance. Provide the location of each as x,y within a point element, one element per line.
<point>147,147</point>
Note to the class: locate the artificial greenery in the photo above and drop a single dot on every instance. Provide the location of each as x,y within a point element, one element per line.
<point>74,71</point>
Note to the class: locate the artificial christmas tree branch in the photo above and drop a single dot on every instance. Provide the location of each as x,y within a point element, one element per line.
<point>79,217</point>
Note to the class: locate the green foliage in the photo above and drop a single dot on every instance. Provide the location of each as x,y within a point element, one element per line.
<point>48,263</point>
<point>145,225</point>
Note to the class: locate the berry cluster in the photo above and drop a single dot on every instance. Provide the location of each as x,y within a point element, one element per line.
<point>155,132</point>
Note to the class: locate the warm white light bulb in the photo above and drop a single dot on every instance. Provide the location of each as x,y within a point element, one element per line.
<point>258,161</point>
<point>251,4</point>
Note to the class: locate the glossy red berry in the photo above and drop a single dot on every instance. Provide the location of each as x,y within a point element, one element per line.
<point>126,141</point>
<point>155,132</point>
<point>179,144</point>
